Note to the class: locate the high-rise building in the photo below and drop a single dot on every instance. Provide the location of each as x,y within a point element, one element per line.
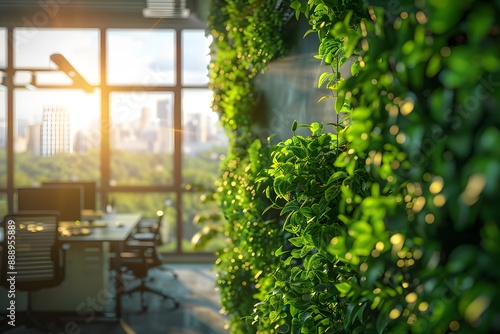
<point>55,132</point>
<point>87,139</point>
<point>165,114</point>
<point>22,125</point>
<point>145,122</point>
<point>33,134</point>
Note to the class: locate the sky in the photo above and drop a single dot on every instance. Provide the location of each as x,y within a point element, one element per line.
<point>145,57</point>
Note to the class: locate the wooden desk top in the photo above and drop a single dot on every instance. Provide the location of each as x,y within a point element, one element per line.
<point>119,227</point>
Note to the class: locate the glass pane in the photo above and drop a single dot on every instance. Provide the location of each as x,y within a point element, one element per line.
<point>3,48</point>
<point>141,138</point>
<point>33,48</point>
<point>4,209</point>
<point>141,57</point>
<point>3,138</point>
<point>204,142</point>
<point>198,218</point>
<point>147,204</point>
<point>195,57</point>
<point>56,136</point>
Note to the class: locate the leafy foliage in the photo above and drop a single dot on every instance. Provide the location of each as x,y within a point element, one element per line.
<point>247,35</point>
<point>335,23</point>
<point>245,264</point>
<point>306,186</point>
<point>417,110</point>
<point>414,234</point>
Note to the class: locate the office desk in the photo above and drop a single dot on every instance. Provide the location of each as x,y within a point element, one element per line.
<point>86,289</point>
<point>110,233</point>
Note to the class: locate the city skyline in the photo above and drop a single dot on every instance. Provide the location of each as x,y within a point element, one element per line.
<point>150,131</point>
<point>136,57</point>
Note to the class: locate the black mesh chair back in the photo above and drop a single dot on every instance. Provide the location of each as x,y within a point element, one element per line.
<point>38,261</point>
<point>32,254</point>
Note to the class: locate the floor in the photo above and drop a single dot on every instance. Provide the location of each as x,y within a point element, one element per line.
<point>198,311</point>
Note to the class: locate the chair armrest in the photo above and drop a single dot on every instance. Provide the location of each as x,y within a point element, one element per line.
<point>138,244</point>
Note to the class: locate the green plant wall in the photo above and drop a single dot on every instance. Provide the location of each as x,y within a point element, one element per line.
<point>424,106</point>
<point>389,219</point>
<point>247,35</point>
<point>415,252</point>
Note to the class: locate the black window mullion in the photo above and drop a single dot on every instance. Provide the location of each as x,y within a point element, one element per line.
<point>178,137</point>
<point>10,118</point>
<point>105,151</point>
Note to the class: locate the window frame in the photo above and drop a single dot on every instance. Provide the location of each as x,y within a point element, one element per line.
<point>177,188</point>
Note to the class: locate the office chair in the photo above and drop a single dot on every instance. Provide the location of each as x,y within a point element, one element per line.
<point>150,230</point>
<point>139,255</point>
<point>39,256</point>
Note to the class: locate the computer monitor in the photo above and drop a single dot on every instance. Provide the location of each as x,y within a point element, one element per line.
<point>89,191</point>
<point>68,201</point>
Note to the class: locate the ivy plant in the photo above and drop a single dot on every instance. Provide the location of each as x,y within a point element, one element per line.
<point>390,224</point>
<point>421,121</point>
<point>247,35</point>
<point>307,187</point>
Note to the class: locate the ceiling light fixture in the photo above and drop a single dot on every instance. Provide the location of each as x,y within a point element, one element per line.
<point>175,9</point>
<point>64,65</point>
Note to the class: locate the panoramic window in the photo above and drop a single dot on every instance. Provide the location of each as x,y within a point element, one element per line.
<point>203,138</point>
<point>57,136</point>
<point>141,57</point>
<point>56,130</point>
<point>145,134</point>
<point>3,122</point>
<point>141,138</point>
<point>3,47</point>
<point>3,140</point>
<point>33,50</point>
<point>195,57</point>
<point>204,145</point>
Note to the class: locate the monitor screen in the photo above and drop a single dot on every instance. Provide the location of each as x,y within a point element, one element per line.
<point>89,191</point>
<point>68,201</point>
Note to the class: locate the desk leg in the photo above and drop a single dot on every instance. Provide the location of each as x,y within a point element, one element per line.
<point>119,286</point>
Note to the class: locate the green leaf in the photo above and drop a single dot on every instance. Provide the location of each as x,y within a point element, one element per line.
<point>462,258</point>
<point>332,192</point>
<point>274,316</point>
<point>315,128</point>
<point>290,206</point>
<point>479,22</point>
<point>305,250</point>
<point>433,66</point>
<point>382,322</point>
<point>296,241</point>
<point>300,152</point>
<point>360,227</point>
<point>283,328</point>
<point>343,288</point>
<point>324,97</point>
<point>337,176</point>
<point>296,4</point>
<point>339,103</point>
<point>363,245</point>
<point>280,251</point>
<point>323,77</point>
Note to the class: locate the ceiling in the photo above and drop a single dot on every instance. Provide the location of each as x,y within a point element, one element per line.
<point>97,13</point>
